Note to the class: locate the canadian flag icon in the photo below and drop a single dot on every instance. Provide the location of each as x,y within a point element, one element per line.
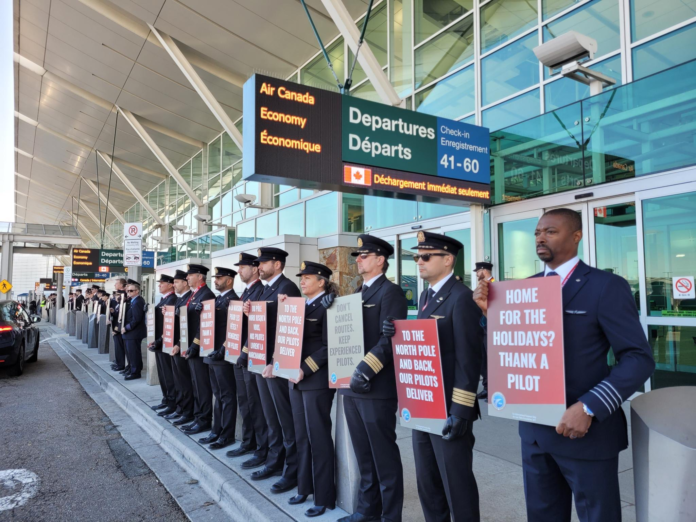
<point>357,175</point>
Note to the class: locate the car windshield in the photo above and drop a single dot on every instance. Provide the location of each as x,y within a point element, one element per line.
<point>9,311</point>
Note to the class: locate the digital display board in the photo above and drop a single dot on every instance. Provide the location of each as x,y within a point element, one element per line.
<point>312,138</point>
<point>106,261</point>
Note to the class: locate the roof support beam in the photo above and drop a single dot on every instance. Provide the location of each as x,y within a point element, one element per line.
<point>91,215</point>
<point>104,199</point>
<point>86,230</point>
<point>141,168</point>
<point>107,159</point>
<point>366,58</point>
<point>163,159</point>
<point>199,85</point>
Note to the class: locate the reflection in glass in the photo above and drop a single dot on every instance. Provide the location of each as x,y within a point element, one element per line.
<point>408,279</point>
<point>267,225</point>
<point>432,16</point>
<point>512,111</point>
<point>566,90</point>
<point>214,152</point>
<point>385,212</point>
<point>648,18</point>
<point>517,250</point>
<point>317,74</point>
<point>400,46</point>
<point>502,20</point>
<point>325,206</point>
<point>550,8</point>
<point>462,266</point>
<point>230,151</point>
<point>669,229</point>
<point>245,233</point>
<point>197,177</point>
<point>450,98</point>
<point>433,210</point>
<point>674,350</point>
<point>352,213</point>
<point>376,37</point>
<point>291,220</point>
<point>366,91</point>
<point>446,52</point>
<point>509,70</point>
<point>664,52</point>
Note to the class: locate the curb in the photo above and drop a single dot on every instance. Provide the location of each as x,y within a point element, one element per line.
<point>235,496</point>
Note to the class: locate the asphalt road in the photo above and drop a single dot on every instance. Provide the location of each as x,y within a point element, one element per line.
<point>76,465</point>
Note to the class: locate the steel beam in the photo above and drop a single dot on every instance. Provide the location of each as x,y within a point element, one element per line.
<point>366,58</point>
<point>141,168</point>
<point>106,158</point>
<point>199,85</point>
<point>86,230</point>
<point>104,199</point>
<point>91,215</point>
<point>163,159</point>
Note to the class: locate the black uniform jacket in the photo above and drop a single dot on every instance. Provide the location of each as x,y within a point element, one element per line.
<point>134,324</point>
<point>283,285</point>
<point>170,300</point>
<point>181,301</point>
<point>250,294</point>
<point>79,300</point>
<point>116,305</point>
<point>461,339</point>
<point>381,299</point>
<point>194,316</point>
<point>222,303</point>
<point>315,348</point>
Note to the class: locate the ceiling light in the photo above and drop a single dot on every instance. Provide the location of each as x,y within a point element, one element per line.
<point>681,255</point>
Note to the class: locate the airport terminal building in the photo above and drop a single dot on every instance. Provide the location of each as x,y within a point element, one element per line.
<point>157,85</point>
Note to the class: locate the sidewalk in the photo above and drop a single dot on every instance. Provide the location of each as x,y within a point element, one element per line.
<point>497,460</point>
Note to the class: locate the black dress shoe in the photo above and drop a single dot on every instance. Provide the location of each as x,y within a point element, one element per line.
<point>241,450</point>
<point>212,437</point>
<point>118,369</point>
<point>172,416</point>
<point>195,428</point>
<point>124,371</point>
<point>253,462</point>
<point>297,499</point>
<point>315,511</point>
<point>283,485</point>
<point>483,396</point>
<point>358,517</point>
<point>265,473</point>
<point>160,406</point>
<point>166,411</point>
<point>221,443</point>
<point>183,420</point>
<point>132,377</point>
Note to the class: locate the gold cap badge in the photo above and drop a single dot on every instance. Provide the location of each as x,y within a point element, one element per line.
<point>421,236</point>
<point>217,271</point>
<point>360,243</point>
<point>303,266</point>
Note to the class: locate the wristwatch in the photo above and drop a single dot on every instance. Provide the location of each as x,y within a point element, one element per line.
<point>587,410</point>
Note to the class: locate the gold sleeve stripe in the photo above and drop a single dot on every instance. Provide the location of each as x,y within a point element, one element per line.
<point>463,393</point>
<point>312,365</point>
<point>457,400</point>
<point>373,363</point>
<point>245,350</point>
<point>196,341</point>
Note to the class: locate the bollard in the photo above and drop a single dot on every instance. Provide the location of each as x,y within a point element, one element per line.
<point>71,322</point>
<point>347,472</point>
<point>112,343</point>
<point>664,454</point>
<point>52,315</point>
<point>85,328</point>
<point>104,335</point>
<point>93,333</point>
<point>78,323</point>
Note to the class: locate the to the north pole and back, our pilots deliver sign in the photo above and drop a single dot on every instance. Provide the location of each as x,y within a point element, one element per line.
<point>313,138</point>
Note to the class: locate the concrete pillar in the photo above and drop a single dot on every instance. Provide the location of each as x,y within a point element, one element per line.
<point>93,333</point>
<point>104,335</point>
<point>71,322</point>
<point>6,260</point>
<point>85,327</point>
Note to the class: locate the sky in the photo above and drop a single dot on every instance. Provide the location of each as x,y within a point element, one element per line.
<point>7,124</point>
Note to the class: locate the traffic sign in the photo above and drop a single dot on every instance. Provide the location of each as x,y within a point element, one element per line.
<point>5,286</point>
<point>132,231</point>
<point>683,287</point>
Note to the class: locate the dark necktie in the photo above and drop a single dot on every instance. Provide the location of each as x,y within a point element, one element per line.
<point>428,297</point>
<point>551,273</point>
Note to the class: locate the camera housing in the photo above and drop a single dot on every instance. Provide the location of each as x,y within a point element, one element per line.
<point>568,48</point>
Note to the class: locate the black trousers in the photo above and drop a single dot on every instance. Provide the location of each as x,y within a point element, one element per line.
<point>166,378</point>
<point>311,411</point>
<point>446,483</point>
<point>135,355</point>
<point>257,416</point>
<point>119,351</point>
<point>202,391</point>
<point>224,387</point>
<point>275,400</point>
<point>372,427</point>
<point>484,366</point>
<point>248,437</point>
<point>184,386</point>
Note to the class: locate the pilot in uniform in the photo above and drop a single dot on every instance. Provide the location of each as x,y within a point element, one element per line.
<point>134,329</point>
<point>164,360</point>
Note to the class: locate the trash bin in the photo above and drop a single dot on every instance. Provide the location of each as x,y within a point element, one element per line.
<point>663,425</point>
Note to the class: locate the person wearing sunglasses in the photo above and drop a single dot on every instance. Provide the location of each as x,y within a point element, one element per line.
<point>163,360</point>
<point>446,483</point>
<point>134,329</point>
<point>371,402</point>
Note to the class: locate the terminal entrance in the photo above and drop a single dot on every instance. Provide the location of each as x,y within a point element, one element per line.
<point>648,238</point>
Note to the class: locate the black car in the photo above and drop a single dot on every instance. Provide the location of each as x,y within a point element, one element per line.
<point>19,338</point>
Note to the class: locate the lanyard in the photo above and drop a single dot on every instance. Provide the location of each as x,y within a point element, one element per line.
<point>569,274</point>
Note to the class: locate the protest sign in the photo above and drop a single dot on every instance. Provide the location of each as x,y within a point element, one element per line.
<point>419,382</point>
<point>168,330</point>
<point>207,328</point>
<point>257,344</point>
<point>233,334</point>
<point>288,342</point>
<point>150,321</point>
<point>345,337</point>
<point>526,369</point>
<point>183,329</point>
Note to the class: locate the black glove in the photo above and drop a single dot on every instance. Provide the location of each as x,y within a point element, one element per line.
<point>242,361</point>
<point>454,428</point>
<point>328,300</point>
<point>146,307</point>
<point>388,328</point>
<point>359,383</point>
<point>198,307</point>
<point>217,355</point>
<point>193,351</point>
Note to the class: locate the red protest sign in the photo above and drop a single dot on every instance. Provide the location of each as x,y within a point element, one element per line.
<point>168,329</point>
<point>419,382</point>
<point>233,336</point>
<point>207,327</point>
<point>257,343</point>
<point>288,342</point>
<point>150,321</point>
<point>526,369</point>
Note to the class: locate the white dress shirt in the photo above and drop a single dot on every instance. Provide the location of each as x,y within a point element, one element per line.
<point>438,286</point>
<point>368,283</point>
<point>564,269</point>
<point>310,301</point>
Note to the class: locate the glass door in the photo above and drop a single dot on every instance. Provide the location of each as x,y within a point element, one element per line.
<point>514,251</point>
<point>409,281</point>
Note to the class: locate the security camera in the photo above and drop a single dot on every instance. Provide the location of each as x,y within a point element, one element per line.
<point>157,238</point>
<point>179,228</point>
<point>568,48</point>
<point>245,199</point>
<point>203,218</point>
